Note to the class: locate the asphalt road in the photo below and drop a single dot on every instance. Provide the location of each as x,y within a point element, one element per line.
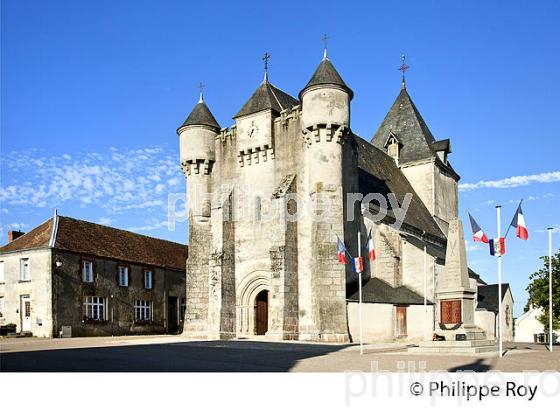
<point>177,355</point>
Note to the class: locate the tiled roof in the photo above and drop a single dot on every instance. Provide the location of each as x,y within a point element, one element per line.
<point>378,291</point>
<point>38,237</point>
<point>201,115</point>
<point>88,238</point>
<point>267,97</point>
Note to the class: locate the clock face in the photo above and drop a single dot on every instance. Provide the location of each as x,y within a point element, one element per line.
<point>253,130</point>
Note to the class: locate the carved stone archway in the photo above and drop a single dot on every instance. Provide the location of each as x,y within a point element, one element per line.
<point>250,286</point>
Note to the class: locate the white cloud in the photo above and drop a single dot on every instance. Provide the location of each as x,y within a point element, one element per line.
<point>555,229</point>
<point>115,180</point>
<point>471,247</point>
<point>513,182</point>
<point>151,225</point>
<point>17,226</point>
<point>106,221</point>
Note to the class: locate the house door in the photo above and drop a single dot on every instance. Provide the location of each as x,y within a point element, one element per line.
<point>172,317</point>
<point>262,312</point>
<point>25,310</point>
<point>401,321</point>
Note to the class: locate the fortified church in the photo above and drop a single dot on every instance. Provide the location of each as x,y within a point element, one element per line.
<point>252,271</point>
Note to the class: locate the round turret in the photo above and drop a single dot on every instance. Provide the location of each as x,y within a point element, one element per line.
<point>197,138</point>
<point>326,98</point>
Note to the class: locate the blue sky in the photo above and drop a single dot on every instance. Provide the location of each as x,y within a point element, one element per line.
<point>92,92</point>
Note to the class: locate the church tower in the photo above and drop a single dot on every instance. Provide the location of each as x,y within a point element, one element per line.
<point>405,137</point>
<point>197,148</point>
<point>325,125</point>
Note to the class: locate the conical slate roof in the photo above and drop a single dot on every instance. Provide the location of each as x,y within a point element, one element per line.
<point>201,115</point>
<point>267,97</point>
<point>404,120</point>
<point>326,74</point>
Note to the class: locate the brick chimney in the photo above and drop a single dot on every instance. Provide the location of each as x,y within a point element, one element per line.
<point>13,235</point>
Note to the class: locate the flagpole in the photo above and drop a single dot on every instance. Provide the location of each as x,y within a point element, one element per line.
<point>425,295</point>
<point>498,211</point>
<point>360,294</point>
<point>550,288</point>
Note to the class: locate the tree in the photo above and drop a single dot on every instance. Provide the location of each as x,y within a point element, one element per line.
<point>538,291</point>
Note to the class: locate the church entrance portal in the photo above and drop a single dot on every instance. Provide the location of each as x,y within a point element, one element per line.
<point>261,312</point>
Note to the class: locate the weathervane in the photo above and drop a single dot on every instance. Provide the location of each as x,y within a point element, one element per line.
<point>403,69</point>
<point>265,58</point>
<point>325,39</point>
<point>201,88</point>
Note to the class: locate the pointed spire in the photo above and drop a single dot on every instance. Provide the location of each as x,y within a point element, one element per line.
<point>326,74</point>
<point>200,115</point>
<point>201,87</point>
<point>325,39</point>
<point>265,58</point>
<point>403,69</point>
<point>405,121</point>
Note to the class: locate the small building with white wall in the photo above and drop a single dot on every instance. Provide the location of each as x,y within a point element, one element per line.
<point>528,328</point>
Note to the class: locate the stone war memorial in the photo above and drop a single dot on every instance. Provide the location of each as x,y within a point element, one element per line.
<point>269,195</point>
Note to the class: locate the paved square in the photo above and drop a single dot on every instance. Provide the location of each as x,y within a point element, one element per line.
<point>175,354</point>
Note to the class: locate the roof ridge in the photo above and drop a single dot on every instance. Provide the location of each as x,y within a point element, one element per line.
<point>276,98</point>
<point>122,230</point>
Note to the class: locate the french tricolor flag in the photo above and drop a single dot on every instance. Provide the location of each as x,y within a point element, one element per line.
<point>478,233</point>
<point>341,251</point>
<point>497,246</point>
<point>371,248</point>
<point>518,223</point>
<point>358,265</point>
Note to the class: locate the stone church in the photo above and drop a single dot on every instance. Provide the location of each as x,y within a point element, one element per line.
<point>255,269</point>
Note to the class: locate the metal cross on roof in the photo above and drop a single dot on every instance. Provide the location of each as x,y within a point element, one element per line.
<point>201,88</point>
<point>325,39</point>
<point>265,58</point>
<point>403,69</point>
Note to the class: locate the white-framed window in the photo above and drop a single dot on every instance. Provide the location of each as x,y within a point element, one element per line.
<point>1,307</point>
<point>24,269</point>
<point>142,310</point>
<point>148,279</point>
<point>123,276</point>
<point>95,308</point>
<point>87,271</point>
<point>2,278</point>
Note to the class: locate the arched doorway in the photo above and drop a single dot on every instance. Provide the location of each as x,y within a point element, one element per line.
<point>261,312</point>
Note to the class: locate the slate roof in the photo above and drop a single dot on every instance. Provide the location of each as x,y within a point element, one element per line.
<point>488,296</point>
<point>201,115</point>
<point>266,96</point>
<point>416,139</point>
<point>442,145</point>
<point>326,74</point>
<point>378,291</point>
<point>88,238</point>
<point>379,173</point>
<point>405,121</point>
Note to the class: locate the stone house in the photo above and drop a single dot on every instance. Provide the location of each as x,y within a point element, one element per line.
<point>256,271</point>
<point>90,280</point>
